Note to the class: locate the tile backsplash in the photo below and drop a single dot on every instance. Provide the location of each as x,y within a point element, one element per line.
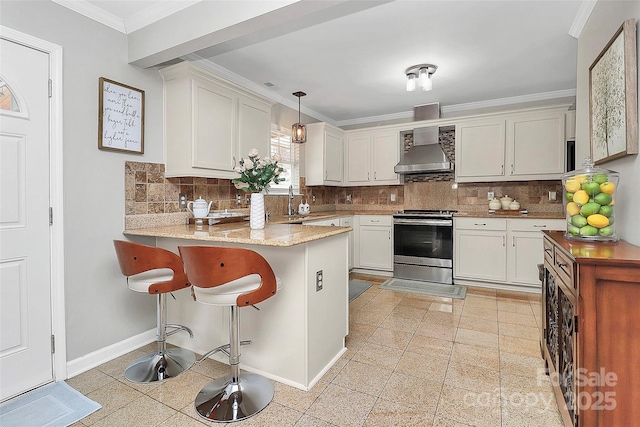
<point>147,191</point>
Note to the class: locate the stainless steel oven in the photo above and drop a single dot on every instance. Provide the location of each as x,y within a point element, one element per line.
<point>423,246</point>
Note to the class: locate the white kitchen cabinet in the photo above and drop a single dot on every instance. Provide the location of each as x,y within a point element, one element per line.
<point>500,252</point>
<point>324,154</point>
<point>373,246</point>
<point>371,156</point>
<point>210,123</point>
<point>512,147</point>
<point>347,221</point>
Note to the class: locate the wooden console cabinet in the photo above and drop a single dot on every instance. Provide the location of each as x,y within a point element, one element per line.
<point>591,336</point>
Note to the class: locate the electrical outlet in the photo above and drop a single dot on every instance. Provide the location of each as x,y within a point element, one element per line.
<point>313,199</point>
<point>318,281</point>
<point>348,198</point>
<point>393,197</point>
<point>239,199</point>
<point>490,195</point>
<point>182,201</point>
<point>552,196</point>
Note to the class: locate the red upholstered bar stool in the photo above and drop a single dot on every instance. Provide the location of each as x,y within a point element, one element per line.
<point>158,272</point>
<point>235,278</point>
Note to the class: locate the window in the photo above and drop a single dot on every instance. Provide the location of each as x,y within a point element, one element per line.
<point>290,153</point>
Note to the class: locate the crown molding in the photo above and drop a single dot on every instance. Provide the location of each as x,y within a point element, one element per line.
<point>259,89</point>
<point>465,107</point>
<point>93,12</point>
<point>582,17</point>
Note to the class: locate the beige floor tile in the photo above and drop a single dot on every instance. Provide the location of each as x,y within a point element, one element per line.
<point>363,378</point>
<point>527,391</point>
<point>480,313</point>
<point>488,303</point>
<point>423,304</point>
<point>444,422</point>
<point>385,414</point>
<point>513,295</point>
<point>360,331</point>
<point>182,420</point>
<point>519,331</point>
<point>470,377</point>
<point>516,364</point>
<point>477,356</point>
<point>181,390</point>
<point>441,318</point>
<point>520,346</point>
<point>468,407</point>
<point>211,368</point>
<point>143,412</point>
<point>400,324</point>
<point>334,371</point>
<point>352,348</point>
<point>390,338</point>
<point>380,307</point>
<point>112,397</point>
<point>408,312</point>
<point>273,415</point>
<point>481,325</point>
<point>520,307</point>
<point>412,392</point>
<point>342,406</point>
<point>437,330</point>
<point>116,367</point>
<point>378,355</point>
<point>358,303</point>
<point>294,398</point>
<point>387,296</point>
<point>474,290</point>
<point>516,318</point>
<point>518,415</point>
<point>430,346</point>
<point>482,339</point>
<point>440,306</point>
<point>309,421</point>
<point>367,317</point>
<point>431,368</point>
<point>89,381</point>
<point>422,297</point>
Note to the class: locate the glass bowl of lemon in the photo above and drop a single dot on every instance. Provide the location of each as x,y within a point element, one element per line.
<point>589,203</point>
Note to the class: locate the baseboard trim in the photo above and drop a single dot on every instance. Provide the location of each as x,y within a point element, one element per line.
<point>98,357</point>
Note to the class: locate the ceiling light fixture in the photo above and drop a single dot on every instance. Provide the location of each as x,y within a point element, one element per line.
<point>423,72</point>
<point>298,130</point>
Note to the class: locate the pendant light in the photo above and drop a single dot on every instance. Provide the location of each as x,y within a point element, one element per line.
<point>298,130</point>
<point>422,73</point>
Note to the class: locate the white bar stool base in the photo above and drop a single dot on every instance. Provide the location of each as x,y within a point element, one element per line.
<point>154,368</point>
<point>225,402</point>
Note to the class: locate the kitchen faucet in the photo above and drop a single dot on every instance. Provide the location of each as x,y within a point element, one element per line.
<point>290,210</point>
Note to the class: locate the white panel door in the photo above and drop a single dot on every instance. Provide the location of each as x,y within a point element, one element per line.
<point>25,280</point>
<point>358,158</point>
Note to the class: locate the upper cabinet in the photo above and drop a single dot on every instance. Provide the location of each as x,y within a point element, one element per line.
<point>324,151</point>
<point>512,147</point>
<point>210,123</point>
<point>371,157</point>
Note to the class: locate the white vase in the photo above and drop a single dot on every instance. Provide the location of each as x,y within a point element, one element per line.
<point>256,216</point>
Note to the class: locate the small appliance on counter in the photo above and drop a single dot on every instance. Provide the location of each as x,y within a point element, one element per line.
<point>589,198</point>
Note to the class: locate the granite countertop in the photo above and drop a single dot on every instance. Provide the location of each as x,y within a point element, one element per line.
<point>239,232</point>
<point>298,219</point>
<point>510,214</point>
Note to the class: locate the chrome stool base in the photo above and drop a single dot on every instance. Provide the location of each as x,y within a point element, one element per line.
<point>154,367</point>
<point>223,401</point>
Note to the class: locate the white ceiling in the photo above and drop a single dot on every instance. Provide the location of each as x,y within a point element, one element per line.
<point>352,67</point>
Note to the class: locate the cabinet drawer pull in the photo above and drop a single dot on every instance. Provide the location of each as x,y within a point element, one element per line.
<point>562,265</point>
<point>539,226</point>
<point>479,224</point>
<point>504,243</point>
<point>375,220</point>
<point>547,250</point>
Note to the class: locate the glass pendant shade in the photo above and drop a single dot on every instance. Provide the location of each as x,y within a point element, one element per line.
<point>411,82</point>
<point>299,133</point>
<point>427,84</point>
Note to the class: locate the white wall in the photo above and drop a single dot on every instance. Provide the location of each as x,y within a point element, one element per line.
<point>604,21</point>
<point>100,309</point>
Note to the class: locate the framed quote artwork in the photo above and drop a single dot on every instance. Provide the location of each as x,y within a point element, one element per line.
<point>120,117</point>
<point>613,97</point>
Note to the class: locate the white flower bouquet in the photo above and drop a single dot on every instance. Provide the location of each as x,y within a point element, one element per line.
<point>257,174</point>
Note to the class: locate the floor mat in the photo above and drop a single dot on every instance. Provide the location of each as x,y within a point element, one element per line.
<point>356,288</point>
<point>55,404</point>
<point>426,288</point>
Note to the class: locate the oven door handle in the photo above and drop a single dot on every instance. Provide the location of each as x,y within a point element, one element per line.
<point>409,221</point>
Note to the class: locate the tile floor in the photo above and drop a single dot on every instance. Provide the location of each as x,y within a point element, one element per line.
<point>412,360</point>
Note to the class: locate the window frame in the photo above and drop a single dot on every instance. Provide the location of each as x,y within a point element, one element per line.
<point>279,133</point>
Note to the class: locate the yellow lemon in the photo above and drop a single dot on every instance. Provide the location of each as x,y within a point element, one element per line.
<point>572,185</point>
<point>607,187</point>
<point>579,178</point>
<point>580,197</point>
<point>572,209</point>
<point>613,202</point>
<point>597,220</point>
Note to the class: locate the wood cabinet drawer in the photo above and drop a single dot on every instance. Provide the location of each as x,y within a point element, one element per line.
<point>381,220</point>
<point>481,224</point>
<point>564,267</point>
<point>548,252</point>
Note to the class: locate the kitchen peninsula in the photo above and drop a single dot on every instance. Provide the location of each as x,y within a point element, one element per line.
<point>298,334</point>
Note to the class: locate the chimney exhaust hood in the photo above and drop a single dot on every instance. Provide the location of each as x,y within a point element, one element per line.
<point>426,155</point>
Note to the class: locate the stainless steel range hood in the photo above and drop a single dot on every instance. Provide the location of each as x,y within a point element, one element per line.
<point>426,154</point>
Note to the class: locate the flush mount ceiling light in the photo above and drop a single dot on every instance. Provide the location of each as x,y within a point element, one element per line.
<point>422,74</point>
<point>298,130</point>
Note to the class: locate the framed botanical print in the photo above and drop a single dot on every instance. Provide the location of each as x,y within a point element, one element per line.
<point>613,97</point>
<point>120,117</point>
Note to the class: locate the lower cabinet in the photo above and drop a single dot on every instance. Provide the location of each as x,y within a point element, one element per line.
<point>373,245</point>
<point>591,324</point>
<point>500,251</point>
<point>343,221</point>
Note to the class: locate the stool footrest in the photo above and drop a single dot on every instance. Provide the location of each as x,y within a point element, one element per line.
<point>223,348</point>
<point>177,328</point>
